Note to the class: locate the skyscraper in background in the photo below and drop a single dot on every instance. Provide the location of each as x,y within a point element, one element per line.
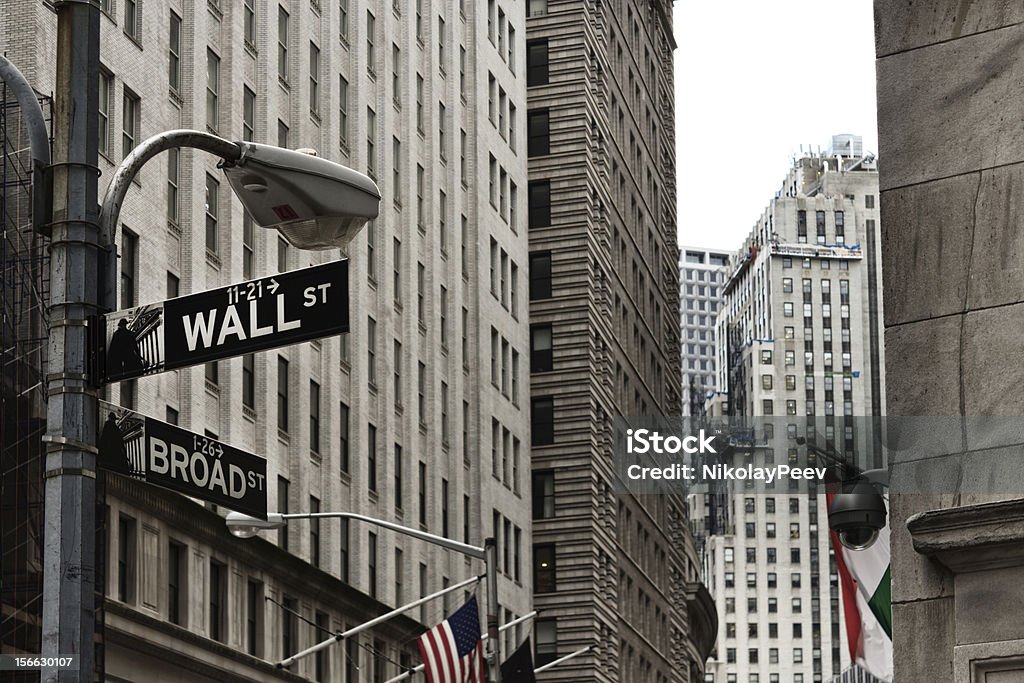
<point>798,345</point>
<point>702,274</point>
<point>617,573</point>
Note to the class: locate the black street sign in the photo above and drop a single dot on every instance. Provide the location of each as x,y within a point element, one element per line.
<point>273,311</point>
<point>174,458</point>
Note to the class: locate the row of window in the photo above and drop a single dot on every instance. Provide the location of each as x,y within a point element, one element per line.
<point>771,555</point>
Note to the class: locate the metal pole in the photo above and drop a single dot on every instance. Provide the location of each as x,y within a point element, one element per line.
<point>355,630</point>
<point>493,644</point>
<point>69,531</point>
<point>560,660</point>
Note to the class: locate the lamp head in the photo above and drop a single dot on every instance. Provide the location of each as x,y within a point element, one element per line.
<point>244,526</point>
<point>314,203</point>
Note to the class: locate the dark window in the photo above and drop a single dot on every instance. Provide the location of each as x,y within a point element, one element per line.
<point>422,484</point>
<point>288,626</point>
<point>543,494</point>
<point>253,617</point>
<point>249,381</point>
<point>398,477</point>
<point>540,275</point>
<point>129,268</point>
<point>314,417</point>
<point>537,62</point>
<point>282,394</point>
<point>352,659</point>
<point>218,600</point>
<point>343,428</point>
<point>537,133</point>
<point>323,627</point>
<point>801,224</point>
<point>540,203</point>
<point>444,508</point>
<point>371,562</point>
<point>542,420</point>
<point>546,631</point>
<point>176,573</point>
<point>371,458</point>
<point>344,550</point>
<point>314,532</point>
<point>282,507</point>
<point>540,348</point>
<point>126,559</point>
<point>544,569</point>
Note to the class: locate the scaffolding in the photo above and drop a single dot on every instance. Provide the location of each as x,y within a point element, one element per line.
<point>24,337</point>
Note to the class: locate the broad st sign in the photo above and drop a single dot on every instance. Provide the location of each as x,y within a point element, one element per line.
<point>274,311</point>
<point>174,458</point>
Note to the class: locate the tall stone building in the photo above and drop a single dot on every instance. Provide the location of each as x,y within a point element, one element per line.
<point>618,575</point>
<point>799,348</point>
<point>951,196</point>
<point>702,274</point>
<point>419,416</point>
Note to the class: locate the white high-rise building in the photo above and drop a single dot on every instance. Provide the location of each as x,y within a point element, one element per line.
<point>799,345</point>
<point>702,275</point>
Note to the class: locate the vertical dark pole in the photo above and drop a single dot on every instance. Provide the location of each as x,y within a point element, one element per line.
<point>70,476</point>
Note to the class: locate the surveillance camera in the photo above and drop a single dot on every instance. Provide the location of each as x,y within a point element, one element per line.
<point>857,514</point>
<point>314,203</point>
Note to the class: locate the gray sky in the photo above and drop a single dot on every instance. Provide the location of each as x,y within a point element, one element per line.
<point>754,81</point>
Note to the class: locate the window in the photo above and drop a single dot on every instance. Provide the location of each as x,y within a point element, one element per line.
<point>371,54</point>
<point>543,494</point>
<point>345,545</point>
<point>132,20</point>
<point>419,103</point>
<point>371,142</point>
<point>314,79</point>
<point>540,348</point>
<point>174,53</point>
<point>282,394</point>
<point>546,631</point>
<point>289,626</point>
<point>371,458</point>
<point>371,563</point>
<point>130,118</point>
<point>371,350</point>
<point>212,214</point>
<point>869,201</point>
<point>320,659</point>
<point>249,382</point>
<point>218,600</point>
<point>314,417</point>
<point>212,90</point>
<point>248,114</point>
<point>399,497</point>
<point>537,62</point>
<point>177,572</point>
<point>249,23</point>
<point>539,210</point>
<point>253,617</point>
<point>343,26</point>
<point>282,507</point>
<point>126,557</point>
<point>540,275</point>
<point>542,419</point>
<point>343,428</point>
<point>282,44</point>
<point>422,488</point>
<point>544,569</point>
<point>766,357</point>
<point>343,111</point>
<point>421,393</point>
<point>537,125</point>
<point>106,97</point>
<point>129,268</point>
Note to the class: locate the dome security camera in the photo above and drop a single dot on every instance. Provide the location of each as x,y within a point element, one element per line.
<point>857,514</point>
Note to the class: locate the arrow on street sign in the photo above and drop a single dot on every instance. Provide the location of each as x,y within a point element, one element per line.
<point>267,313</point>
<point>174,458</point>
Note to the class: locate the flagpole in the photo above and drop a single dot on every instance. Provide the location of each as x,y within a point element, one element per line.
<point>338,637</point>
<point>560,660</point>
<point>416,669</point>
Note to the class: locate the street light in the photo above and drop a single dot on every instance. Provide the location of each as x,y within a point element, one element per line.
<point>315,204</point>
<point>244,526</point>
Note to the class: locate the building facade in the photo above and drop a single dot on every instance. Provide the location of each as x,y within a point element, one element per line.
<point>617,574</point>
<point>419,416</point>
<point>702,274</point>
<point>799,350</point>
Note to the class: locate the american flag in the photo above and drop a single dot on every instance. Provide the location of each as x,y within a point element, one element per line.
<point>452,651</point>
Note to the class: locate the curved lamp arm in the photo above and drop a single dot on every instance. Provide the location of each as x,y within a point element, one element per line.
<point>146,150</point>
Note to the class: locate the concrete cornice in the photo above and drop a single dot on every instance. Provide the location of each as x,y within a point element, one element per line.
<point>973,537</point>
